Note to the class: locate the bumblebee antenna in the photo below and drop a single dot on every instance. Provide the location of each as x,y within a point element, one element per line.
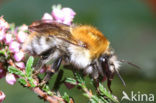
<point>118,73</point>
<point>130,63</point>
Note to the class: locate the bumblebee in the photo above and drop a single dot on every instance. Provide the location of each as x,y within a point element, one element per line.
<point>83,46</point>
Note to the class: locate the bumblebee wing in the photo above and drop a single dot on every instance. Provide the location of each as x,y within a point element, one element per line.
<point>53,29</point>
<point>50,27</point>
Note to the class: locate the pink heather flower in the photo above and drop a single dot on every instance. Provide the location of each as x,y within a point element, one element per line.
<point>2,96</point>
<point>14,46</point>
<point>1,35</point>
<point>67,21</point>
<point>64,15</point>
<point>18,56</point>
<point>68,15</point>
<point>3,24</point>
<point>58,14</point>
<point>20,65</point>
<point>21,36</point>
<point>68,12</point>
<point>2,72</point>
<point>35,82</point>
<point>8,38</point>
<point>23,27</point>
<point>47,16</point>
<point>10,79</point>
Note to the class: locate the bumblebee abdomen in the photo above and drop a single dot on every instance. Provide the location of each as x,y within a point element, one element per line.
<point>37,44</point>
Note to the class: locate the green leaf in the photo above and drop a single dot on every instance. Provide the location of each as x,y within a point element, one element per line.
<point>94,99</point>
<point>103,100</point>
<point>86,95</point>
<point>22,81</point>
<point>29,66</point>
<point>12,27</point>
<point>103,91</point>
<point>31,81</point>
<point>2,52</point>
<point>16,71</point>
<point>71,81</point>
<point>79,78</point>
<point>66,97</point>
<point>47,90</point>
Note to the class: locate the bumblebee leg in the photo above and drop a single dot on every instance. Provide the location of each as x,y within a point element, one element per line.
<point>45,57</point>
<point>55,66</point>
<point>58,80</point>
<point>95,73</point>
<point>38,67</point>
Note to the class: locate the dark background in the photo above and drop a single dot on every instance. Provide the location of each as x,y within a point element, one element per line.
<point>130,25</point>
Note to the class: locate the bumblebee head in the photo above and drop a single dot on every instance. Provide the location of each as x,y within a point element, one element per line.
<point>108,65</point>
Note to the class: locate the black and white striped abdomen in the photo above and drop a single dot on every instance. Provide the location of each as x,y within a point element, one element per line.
<point>39,44</point>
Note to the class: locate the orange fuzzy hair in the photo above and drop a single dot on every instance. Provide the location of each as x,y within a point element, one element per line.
<point>94,40</point>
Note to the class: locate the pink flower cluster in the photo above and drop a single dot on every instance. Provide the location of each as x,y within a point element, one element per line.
<point>12,41</point>
<point>3,27</point>
<point>62,15</point>
<point>2,96</point>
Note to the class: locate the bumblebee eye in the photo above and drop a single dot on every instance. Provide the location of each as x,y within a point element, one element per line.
<point>102,59</point>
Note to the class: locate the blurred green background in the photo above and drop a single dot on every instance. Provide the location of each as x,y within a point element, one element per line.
<point>130,25</point>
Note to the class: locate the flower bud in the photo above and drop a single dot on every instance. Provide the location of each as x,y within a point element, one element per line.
<point>2,35</point>
<point>64,15</point>
<point>68,15</point>
<point>8,38</point>
<point>58,14</point>
<point>14,46</point>
<point>2,96</point>
<point>10,79</point>
<point>20,65</point>
<point>21,36</point>
<point>47,16</point>
<point>18,56</point>
<point>3,24</point>
<point>23,27</point>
